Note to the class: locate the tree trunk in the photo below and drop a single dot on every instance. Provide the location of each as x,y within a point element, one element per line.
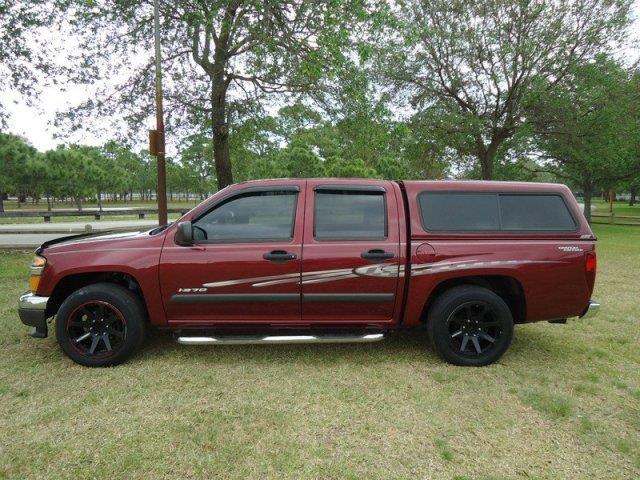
<point>486,168</point>
<point>78,204</point>
<point>632,197</point>
<point>99,201</point>
<point>220,131</point>
<point>1,201</point>
<point>612,197</point>
<point>48,203</point>
<point>487,156</point>
<point>588,193</point>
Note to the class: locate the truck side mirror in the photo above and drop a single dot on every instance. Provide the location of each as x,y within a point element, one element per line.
<point>184,235</point>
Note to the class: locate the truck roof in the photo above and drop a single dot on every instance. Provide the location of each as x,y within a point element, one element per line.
<point>481,185</point>
<point>484,185</point>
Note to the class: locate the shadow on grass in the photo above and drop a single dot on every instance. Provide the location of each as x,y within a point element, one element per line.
<point>408,346</point>
<point>536,344</point>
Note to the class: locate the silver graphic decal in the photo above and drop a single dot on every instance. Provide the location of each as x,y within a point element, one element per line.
<point>387,270</point>
<point>307,277</point>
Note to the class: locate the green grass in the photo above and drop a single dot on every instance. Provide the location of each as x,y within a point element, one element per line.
<point>619,208</point>
<point>564,402</point>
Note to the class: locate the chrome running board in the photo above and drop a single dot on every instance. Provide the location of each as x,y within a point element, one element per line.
<point>279,339</point>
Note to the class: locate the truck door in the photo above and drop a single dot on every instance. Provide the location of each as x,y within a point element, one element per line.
<point>352,254</point>
<point>244,266</point>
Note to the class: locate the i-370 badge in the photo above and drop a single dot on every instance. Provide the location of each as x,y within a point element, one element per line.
<point>192,290</point>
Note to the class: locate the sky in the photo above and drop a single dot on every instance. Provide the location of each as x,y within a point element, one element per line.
<point>35,123</point>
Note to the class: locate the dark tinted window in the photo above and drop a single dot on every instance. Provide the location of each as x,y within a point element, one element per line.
<point>252,217</point>
<point>457,211</point>
<point>535,212</point>
<point>350,215</point>
<point>451,211</point>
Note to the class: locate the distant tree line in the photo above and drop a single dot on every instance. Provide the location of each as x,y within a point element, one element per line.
<point>490,89</point>
<point>584,131</point>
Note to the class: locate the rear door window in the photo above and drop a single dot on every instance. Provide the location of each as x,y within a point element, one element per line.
<point>350,215</point>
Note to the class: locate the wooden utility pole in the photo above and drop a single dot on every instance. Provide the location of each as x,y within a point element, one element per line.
<point>160,143</point>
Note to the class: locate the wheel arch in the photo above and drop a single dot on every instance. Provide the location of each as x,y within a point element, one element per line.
<point>70,283</point>
<point>507,287</point>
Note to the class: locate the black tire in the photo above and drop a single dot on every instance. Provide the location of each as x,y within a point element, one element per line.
<point>100,325</point>
<point>470,326</point>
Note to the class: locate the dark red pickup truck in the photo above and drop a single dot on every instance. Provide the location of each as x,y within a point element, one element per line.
<point>325,260</point>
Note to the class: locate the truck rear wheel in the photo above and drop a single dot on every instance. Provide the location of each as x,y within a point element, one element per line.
<point>100,325</point>
<point>470,326</point>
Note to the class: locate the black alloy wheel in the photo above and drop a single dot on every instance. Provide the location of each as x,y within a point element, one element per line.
<point>470,325</point>
<point>101,324</point>
<point>97,328</point>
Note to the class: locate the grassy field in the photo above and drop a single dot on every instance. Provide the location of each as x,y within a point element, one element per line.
<point>564,402</point>
<point>619,208</point>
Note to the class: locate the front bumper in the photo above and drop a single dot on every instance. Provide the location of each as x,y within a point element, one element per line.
<point>592,309</point>
<point>31,309</point>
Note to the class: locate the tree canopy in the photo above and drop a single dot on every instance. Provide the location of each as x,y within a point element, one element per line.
<point>221,59</point>
<point>470,64</point>
<point>588,127</point>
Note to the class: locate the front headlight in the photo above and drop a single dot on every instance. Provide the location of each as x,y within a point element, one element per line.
<point>35,271</point>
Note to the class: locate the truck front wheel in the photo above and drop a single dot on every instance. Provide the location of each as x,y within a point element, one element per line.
<point>470,326</point>
<point>100,325</point>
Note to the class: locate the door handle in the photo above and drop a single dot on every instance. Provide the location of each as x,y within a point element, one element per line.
<point>377,254</point>
<point>279,256</point>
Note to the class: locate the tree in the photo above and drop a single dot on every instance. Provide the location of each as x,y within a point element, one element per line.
<point>474,61</point>
<point>124,167</point>
<point>73,173</point>
<point>252,145</point>
<point>588,127</point>
<point>24,52</point>
<point>15,155</point>
<point>355,167</point>
<point>178,179</point>
<point>147,179</point>
<point>99,171</point>
<point>195,155</point>
<point>221,58</point>
<point>633,187</point>
<point>299,161</point>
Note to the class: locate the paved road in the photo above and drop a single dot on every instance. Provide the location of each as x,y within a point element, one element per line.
<point>31,235</point>
<point>76,227</point>
<point>26,241</point>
